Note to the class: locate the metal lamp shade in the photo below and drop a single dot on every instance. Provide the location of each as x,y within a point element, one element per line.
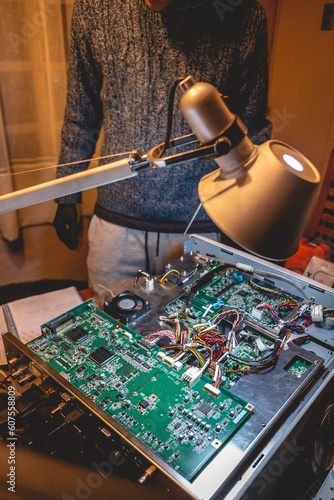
<point>265,209</point>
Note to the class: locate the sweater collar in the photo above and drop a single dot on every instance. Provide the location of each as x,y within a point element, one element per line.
<point>187,4</point>
<point>178,6</point>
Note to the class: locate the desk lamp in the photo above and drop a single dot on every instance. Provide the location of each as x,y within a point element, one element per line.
<point>260,196</point>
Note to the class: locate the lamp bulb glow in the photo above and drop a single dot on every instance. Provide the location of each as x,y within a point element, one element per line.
<point>293,163</point>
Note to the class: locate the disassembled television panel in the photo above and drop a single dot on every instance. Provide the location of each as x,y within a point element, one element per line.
<point>197,368</point>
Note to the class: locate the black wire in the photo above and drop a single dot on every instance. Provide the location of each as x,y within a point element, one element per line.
<point>261,363</point>
<point>170,114</point>
<point>147,256</point>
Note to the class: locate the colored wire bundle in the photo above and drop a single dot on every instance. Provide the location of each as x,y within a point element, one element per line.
<point>272,292</point>
<point>226,314</point>
<point>276,315</point>
<point>188,349</point>
<point>217,342</point>
<point>162,333</point>
<point>305,313</point>
<point>216,373</point>
<point>267,361</point>
<point>328,312</point>
<point>170,271</point>
<point>206,345</point>
<point>174,319</point>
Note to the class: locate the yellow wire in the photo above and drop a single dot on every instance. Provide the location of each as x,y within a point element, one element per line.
<point>162,280</point>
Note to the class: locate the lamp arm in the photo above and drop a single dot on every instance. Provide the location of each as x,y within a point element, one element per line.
<point>111,172</point>
<point>219,147</point>
<point>75,183</point>
<point>204,152</point>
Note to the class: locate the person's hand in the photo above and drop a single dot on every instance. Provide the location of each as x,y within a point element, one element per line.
<point>67,225</point>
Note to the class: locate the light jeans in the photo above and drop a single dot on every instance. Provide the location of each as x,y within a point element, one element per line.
<point>117,253</point>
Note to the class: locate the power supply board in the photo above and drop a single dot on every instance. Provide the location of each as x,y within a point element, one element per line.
<point>130,380</point>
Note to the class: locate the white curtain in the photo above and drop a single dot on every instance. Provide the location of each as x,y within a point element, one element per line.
<point>34,38</point>
<point>8,222</point>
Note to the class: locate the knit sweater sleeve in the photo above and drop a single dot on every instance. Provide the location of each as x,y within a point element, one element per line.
<point>252,97</point>
<point>83,113</point>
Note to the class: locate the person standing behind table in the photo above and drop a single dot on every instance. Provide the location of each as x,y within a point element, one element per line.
<point>125,54</point>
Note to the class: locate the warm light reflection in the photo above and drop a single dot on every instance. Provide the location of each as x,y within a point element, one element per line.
<point>293,163</point>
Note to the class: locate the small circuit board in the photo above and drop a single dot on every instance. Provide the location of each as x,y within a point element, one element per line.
<point>297,366</point>
<point>181,416</point>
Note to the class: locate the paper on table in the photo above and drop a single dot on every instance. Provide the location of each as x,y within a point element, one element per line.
<point>28,314</point>
<point>3,329</point>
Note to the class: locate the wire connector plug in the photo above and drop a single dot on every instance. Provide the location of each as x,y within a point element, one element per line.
<point>191,376</point>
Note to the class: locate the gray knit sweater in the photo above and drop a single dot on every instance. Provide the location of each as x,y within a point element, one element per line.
<point>124,58</point>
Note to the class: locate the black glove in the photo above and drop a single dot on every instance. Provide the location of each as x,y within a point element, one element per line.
<point>67,224</point>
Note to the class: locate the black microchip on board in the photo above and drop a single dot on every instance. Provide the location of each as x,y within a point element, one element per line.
<point>101,356</point>
<point>243,293</point>
<point>65,346</point>
<point>223,290</point>
<point>143,403</point>
<point>77,334</point>
<point>146,365</point>
<point>257,301</point>
<point>56,339</point>
<point>204,408</point>
<point>91,377</point>
<point>80,369</point>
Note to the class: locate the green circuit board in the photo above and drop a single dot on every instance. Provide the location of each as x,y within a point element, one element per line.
<point>230,288</point>
<point>297,367</point>
<point>131,381</point>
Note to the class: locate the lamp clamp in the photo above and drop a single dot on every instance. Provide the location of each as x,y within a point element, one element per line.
<point>137,161</point>
<point>220,146</point>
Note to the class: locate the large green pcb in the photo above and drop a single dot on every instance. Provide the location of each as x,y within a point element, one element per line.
<point>124,375</point>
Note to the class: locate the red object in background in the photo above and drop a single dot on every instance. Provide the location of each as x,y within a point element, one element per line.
<point>307,249</point>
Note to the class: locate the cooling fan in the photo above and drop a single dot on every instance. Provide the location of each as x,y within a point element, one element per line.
<point>126,307</point>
